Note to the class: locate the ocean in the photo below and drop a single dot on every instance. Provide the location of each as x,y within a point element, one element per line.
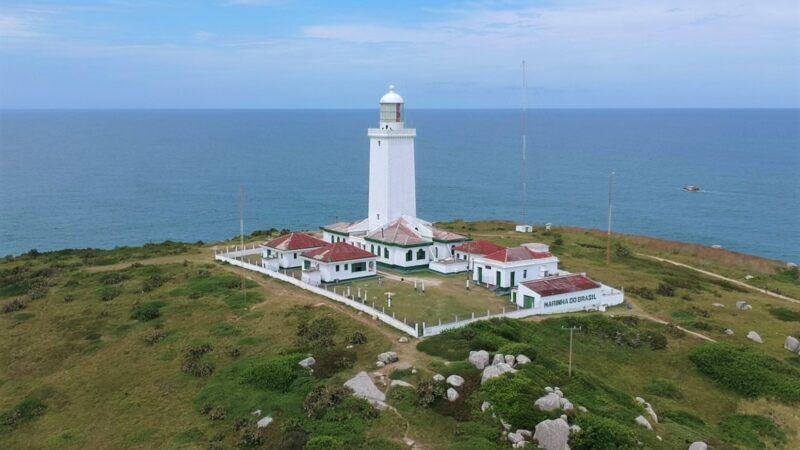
<point>106,178</point>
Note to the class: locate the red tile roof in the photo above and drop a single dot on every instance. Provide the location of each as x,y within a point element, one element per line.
<point>340,251</point>
<point>294,241</point>
<point>447,236</point>
<point>479,247</point>
<point>561,285</point>
<point>516,254</point>
<point>398,232</point>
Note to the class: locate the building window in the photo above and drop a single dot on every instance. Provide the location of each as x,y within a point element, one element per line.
<point>386,253</point>
<point>525,274</point>
<point>420,254</point>
<point>331,239</point>
<point>345,267</point>
<point>371,265</point>
<point>372,248</point>
<point>295,256</point>
<point>306,265</point>
<point>337,267</point>
<point>409,255</point>
<point>359,267</point>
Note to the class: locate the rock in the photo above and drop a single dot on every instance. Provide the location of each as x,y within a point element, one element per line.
<point>379,364</point>
<point>401,383</point>
<point>659,437</point>
<point>527,434</point>
<point>351,345</point>
<point>651,412</point>
<point>748,277</point>
<point>641,421</point>
<point>582,409</point>
<point>640,400</point>
<point>522,360</point>
<point>566,405</point>
<point>506,425</point>
<point>387,357</point>
<point>379,405</point>
<point>558,392</point>
<point>403,340</point>
<point>519,444</point>
<point>718,305</point>
<point>699,445</point>
<point>503,368</point>
<point>489,372</point>
<point>264,422</point>
<point>792,344</point>
<point>515,437</point>
<point>256,413</point>
<point>455,380</point>
<point>510,359</point>
<point>408,441</point>
<point>575,429</point>
<point>729,332</point>
<point>498,358</point>
<point>743,305</point>
<point>552,434</point>
<point>548,389</point>
<point>452,394</point>
<point>413,371</point>
<point>363,387</point>
<point>753,336</point>
<point>564,417</point>
<point>485,406</point>
<point>479,359</point>
<point>550,402</point>
<point>438,377</point>
<point>308,362</point>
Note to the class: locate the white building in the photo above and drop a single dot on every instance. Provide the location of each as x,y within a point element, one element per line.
<point>506,268</point>
<point>337,262</point>
<point>284,251</point>
<point>565,293</point>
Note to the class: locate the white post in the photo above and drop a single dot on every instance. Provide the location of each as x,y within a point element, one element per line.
<point>423,287</point>
<point>473,315</point>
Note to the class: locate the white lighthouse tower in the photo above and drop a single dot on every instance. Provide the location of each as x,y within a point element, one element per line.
<point>392,184</point>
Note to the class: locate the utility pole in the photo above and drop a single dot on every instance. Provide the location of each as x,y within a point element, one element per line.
<point>241,231</point>
<point>524,145</point>
<point>571,330</point>
<point>608,237</point>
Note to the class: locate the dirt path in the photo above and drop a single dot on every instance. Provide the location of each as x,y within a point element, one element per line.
<point>720,277</point>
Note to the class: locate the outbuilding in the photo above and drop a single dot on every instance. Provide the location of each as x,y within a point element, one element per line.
<point>284,251</point>
<point>565,293</point>
<point>337,262</point>
<point>507,267</point>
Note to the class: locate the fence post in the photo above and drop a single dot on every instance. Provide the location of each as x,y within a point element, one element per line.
<point>473,315</point>
<point>440,321</point>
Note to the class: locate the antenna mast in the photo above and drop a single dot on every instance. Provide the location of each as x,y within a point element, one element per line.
<point>524,145</point>
<point>241,231</point>
<point>608,236</point>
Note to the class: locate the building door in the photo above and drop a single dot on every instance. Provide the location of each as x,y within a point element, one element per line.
<point>512,278</point>
<point>497,278</point>
<point>480,275</point>
<point>527,301</point>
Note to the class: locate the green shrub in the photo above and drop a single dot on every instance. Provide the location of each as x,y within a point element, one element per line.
<point>785,314</point>
<point>108,293</point>
<point>37,292</point>
<point>663,388</point>
<point>449,345</point>
<point>747,372</point>
<point>684,418</point>
<point>428,391</point>
<point>324,443</point>
<point>153,282</point>
<point>276,373</point>
<point>14,306</point>
<point>25,411</point>
<point>330,362</point>
<point>665,290</point>
<point>518,348</point>
<point>357,338</point>
<point>621,250</point>
<point>317,333</point>
<point>752,431</point>
<point>513,397</point>
<point>146,311</point>
<point>193,363</point>
<point>153,337</point>
<point>643,292</point>
<point>214,412</point>
<point>321,398</point>
<point>114,278</point>
<point>657,341</point>
<point>599,433</point>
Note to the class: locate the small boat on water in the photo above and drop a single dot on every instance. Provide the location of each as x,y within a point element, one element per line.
<point>691,188</point>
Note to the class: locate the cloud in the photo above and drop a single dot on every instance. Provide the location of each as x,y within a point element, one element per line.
<point>18,27</point>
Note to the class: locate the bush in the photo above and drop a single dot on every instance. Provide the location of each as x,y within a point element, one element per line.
<point>357,338</point>
<point>153,282</point>
<point>114,278</point>
<point>665,290</point>
<point>663,388</point>
<point>513,397</point>
<point>250,435</point>
<point>154,337</point>
<point>68,298</point>
<point>275,374</point>
<point>518,348</point>
<point>318,332</point>
<point>108,293</point>
<point>746,372</point>
<point>146,311</point>
<point>324,443</point>
<point>37,292</point>
<point>785,314</point>
<point>621,250</point>
<point>321,398</point>
<point>25,411</point>
<point>643,292</point>
<point>428,391</point>
<point>657,341</point>
<point>752,430</point>
<point>332,361</point>
<point>599,433</point>
<point>14,306</point>
<point>193,363</point>
<point>214,412</point>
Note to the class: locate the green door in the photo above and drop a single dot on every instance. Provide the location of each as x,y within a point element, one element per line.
<point>527,301</point>
<point>480,275</point>
<point>512,278</point>
<point>497,278</point>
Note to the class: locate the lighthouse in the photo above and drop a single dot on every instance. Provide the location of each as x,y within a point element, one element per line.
<point>392,183</point>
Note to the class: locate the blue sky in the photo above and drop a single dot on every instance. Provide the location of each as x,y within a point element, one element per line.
<point>452,54</point>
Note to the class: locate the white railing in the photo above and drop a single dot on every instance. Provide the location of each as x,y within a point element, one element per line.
<point>360,306</point>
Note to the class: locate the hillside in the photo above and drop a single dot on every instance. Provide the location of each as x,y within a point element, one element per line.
<point>159,347</point>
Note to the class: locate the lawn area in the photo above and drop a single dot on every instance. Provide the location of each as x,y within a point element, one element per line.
<point>445,297</point>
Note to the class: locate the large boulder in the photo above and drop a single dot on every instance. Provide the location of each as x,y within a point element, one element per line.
<point>401,383</point>
<point>438,377</point>
<point>485,406</point>
<point>510,359</point>
<point>498,358</point>
<point>651,412</point>
<point>387,357</point>
<point>550,402</point>
<point>452,394</point>
<point>552,434</point>
<point>699,445</point>
<point>522,360</point>
<point>308,362</point>
<point>755,337</point>
<point>729,332</point>
<point>479,359</point>
<point>503,368</point>
<point>455,380</point>
<point>743,305</point>
<point>489,372</point>
<point>642,422</point>
<point>515,438</point>
<point>792,344</point>
<point>264,422</point>
<point>363,387</point>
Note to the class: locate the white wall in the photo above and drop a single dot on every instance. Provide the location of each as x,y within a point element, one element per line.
<point>392,182</point>
<point>444,250</point>
<point>286,259</point>
<point>523,272</point>
<point>328,272</point>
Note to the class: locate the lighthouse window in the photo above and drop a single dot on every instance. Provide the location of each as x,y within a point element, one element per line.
<point>409,255</point>
<point>379,143</point>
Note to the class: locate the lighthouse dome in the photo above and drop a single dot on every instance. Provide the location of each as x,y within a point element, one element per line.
<point>391,97</point>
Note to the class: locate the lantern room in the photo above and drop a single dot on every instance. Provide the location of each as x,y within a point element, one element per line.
<point>391,109</point>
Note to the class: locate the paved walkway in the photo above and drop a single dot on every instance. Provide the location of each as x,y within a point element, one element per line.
<point>720,277</point>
